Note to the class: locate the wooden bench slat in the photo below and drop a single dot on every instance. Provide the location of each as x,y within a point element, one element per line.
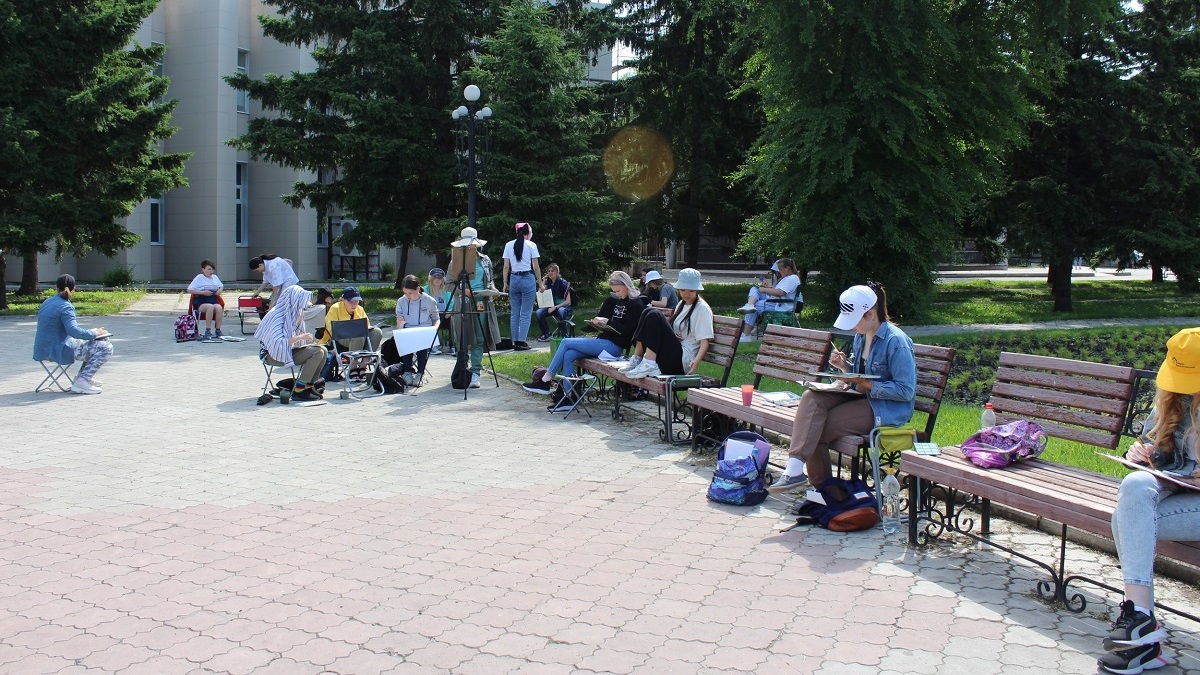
<point>1069,366</point>
<point>1062,399</point>
<point>1115,389</point>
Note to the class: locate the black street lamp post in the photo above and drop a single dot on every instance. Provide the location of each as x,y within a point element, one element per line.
<point>474,119</point>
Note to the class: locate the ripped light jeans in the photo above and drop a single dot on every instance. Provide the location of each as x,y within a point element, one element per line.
<point>1148,511</point>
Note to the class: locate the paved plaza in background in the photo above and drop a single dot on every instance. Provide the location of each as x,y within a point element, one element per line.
<point>170,525</point>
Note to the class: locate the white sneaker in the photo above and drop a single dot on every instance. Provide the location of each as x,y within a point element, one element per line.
<point>645,369</point>
<point>474,380</point>
<point>96,382</point>
<point>85,387</point>
<point>436,351</point>
<point>747,337</point>
<point>747,308</point>
<point>633,363</point>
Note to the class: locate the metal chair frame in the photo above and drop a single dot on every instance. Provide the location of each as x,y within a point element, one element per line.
<point>585,382</point>
<point>354,329</point>
<point>269,365</point>
<point>53,376</point>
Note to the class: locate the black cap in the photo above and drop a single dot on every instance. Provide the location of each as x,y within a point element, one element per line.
<point>64,282</point>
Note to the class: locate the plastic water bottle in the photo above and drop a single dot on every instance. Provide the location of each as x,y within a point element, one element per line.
<point>891,502</point>
<point>988,419</point>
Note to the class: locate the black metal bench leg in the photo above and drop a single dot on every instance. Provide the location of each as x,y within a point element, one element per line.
<point>985,519</point>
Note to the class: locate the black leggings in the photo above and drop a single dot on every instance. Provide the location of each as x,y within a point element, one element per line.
<point>656,335</point>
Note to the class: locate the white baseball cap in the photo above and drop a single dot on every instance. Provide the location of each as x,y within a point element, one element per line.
<point>855,301</point>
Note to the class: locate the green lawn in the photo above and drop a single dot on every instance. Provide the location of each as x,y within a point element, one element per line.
<point>87,303</point>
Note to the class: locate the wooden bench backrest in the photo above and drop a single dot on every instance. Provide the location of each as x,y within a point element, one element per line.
<point>789,354</point>
<point>933,370</point>
<point>723,347</point>
<point>1075,400</point>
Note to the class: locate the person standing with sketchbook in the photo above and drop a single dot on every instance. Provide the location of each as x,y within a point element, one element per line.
<point>522,281</point>
<point>882,351</point>
<point>1149,509</point>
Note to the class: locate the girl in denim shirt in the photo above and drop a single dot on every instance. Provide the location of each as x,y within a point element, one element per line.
<point>880,349</point>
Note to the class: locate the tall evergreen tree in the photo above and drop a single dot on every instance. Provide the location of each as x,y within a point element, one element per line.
<point>886,119</point>
<point>542,167</point>
<point>1155,169</point>
<point>373,113</point>
<point>80,120</point>
<point>689,87</point>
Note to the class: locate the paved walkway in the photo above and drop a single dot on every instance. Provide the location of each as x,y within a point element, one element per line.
<point>170,525</point>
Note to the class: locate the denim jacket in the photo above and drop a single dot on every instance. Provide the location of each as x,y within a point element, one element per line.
<point>56,324</point>
<point>893,395</point>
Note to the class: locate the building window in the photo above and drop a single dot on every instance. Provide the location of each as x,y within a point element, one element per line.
<point>239,204</point>
<point>156,221</point>
<point>243,67</point>
<point>160,71</point>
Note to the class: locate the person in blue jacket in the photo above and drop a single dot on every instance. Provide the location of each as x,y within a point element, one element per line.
<point>855,404</point>
<point>59,338</point>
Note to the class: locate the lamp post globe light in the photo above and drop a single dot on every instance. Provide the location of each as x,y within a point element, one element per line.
<point>473,119</point>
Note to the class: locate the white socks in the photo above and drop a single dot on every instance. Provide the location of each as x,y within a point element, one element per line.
<point>795,467</point>
<point>547,377</point>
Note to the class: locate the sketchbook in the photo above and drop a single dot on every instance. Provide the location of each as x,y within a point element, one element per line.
<point>545,299</point>
<point>1181,481</point>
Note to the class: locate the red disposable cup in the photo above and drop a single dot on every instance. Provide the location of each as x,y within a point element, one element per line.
<point>747,394</point>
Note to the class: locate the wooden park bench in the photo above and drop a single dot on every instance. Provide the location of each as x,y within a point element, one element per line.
<point>785,354</point>
<point>672,409</point>
<point>1074,400</point>
<point>933,370</point>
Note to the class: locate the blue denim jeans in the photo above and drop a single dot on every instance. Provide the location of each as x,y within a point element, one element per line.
<point>580,348</point>
<point>522,292</point>
<point>1148,511</point>
<point>760,305</point>
<point>561,314</point>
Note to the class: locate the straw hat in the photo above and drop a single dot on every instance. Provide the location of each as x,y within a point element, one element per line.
<point>469,236</point>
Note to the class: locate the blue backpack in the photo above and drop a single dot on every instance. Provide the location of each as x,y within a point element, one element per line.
<point>849,506</point>
<point>740,481</point>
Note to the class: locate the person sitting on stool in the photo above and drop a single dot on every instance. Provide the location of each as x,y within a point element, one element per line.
<point>560,289</point>
<point>348,309</point>
<point>60,339</point>
<point>415,308</point>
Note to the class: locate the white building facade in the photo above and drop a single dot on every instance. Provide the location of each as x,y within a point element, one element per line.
<point>231,209</point>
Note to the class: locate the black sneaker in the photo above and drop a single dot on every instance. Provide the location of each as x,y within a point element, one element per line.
<point>544,337</point>
<point>1133,629</point>
<point>305,394</point>
<point>521,347</point>
<point>537,387</point>
<point>1133,661</point>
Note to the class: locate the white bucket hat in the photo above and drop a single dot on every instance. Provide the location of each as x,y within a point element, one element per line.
<point>855,301</point>
<point>689,280</point>
<point>467,237</point>
<point>652,275</point>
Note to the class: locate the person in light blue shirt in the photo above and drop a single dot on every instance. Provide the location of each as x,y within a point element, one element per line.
<point>59,338</point>
<point>857,404</point>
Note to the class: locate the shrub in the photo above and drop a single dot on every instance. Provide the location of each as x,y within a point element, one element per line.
<point>118,277</point>
<point>386,271</point>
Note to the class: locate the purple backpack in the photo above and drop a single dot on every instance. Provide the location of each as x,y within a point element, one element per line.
<point>997,447</point>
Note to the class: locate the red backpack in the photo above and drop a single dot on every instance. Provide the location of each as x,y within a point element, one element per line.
<point>185,328</point>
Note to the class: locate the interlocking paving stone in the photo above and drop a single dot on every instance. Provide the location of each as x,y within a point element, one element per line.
<point>170,525</point>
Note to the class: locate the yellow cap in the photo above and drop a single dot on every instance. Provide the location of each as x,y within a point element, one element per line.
<point>1180,371</point>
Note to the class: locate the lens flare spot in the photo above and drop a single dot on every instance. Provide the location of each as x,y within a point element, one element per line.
<point>638,162</point>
